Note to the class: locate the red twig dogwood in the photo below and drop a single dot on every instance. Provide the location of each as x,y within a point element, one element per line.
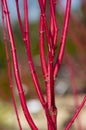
<point>49,68</point>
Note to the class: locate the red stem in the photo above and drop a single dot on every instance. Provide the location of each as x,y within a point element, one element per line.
<point>16,70</point>
<point>51,52</point>
<point>53,23</point>
<point>75,21</point>
<point>42,55</point>
<point>48,73</point>
<point>42,8</point>
<point>74,37</point>
<point>50,92</point>
<point>63,39</point>
<point>27,43</point>
<point>9,71</point>
<point>31,65</point>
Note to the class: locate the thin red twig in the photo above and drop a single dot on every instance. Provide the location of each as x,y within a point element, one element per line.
<point>48,73</point>
<point>63,38</point>
<point>76,114</point>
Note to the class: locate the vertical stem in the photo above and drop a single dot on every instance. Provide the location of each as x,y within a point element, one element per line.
<point>50,87</point>
<point>63,39</point>
<point>42,8</point>
<point>49,77</point>
<point>16,70</point>
<point>53,23</point>
<point>48,73</point>
<point>31,65</point>
<point>50,92</point>
<point>42,55</point>
<point>9,70</point>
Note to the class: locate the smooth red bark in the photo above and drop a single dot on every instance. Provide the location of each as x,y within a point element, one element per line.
<point>9,70</point>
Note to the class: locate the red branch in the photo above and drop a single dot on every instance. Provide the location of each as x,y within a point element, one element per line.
<point>30,61</point>
<point>42,55</point>
<point>31,65</point>
<point>63,39</point>
<point>9,70</point>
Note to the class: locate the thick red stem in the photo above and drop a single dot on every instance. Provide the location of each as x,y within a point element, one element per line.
<point>77,23</point>
<point>48,73</point>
